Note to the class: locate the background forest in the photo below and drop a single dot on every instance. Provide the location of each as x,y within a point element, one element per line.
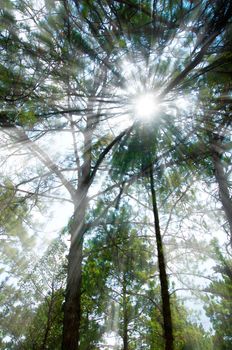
<point>115,178</point>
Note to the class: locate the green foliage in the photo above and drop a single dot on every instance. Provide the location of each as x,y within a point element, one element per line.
<point>218,303</point>
<point>27,118</point>
<point>47,321</point>
<point>15,316</point>
<point>15,241</point>
<point>94,297</point>
<point>32,311</point>
<point>135,151</point>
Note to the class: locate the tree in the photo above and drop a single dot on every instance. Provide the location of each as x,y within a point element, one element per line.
<point>31,311</point>
<point>84,171</point>
<point>16,244</point>
<point>119,271</point>
<point>218,302</point>
<point>15,240</point>
<point>130,260</point>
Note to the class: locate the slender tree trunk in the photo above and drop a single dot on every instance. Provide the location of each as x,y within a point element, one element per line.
<point>221,178</point>
<point>166,305</point>
<point>125,316</point>
<point>222,181</point>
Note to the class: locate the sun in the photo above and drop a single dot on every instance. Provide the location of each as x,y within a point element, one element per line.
<point>145,106</point>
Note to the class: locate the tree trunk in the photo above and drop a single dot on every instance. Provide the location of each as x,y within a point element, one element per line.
<point>72,307</point>
<point>222,181</point>
<point>125,316</point>
<point>166,306</point>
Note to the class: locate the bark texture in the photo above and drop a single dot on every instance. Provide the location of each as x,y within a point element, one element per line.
<point>72,308</point>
